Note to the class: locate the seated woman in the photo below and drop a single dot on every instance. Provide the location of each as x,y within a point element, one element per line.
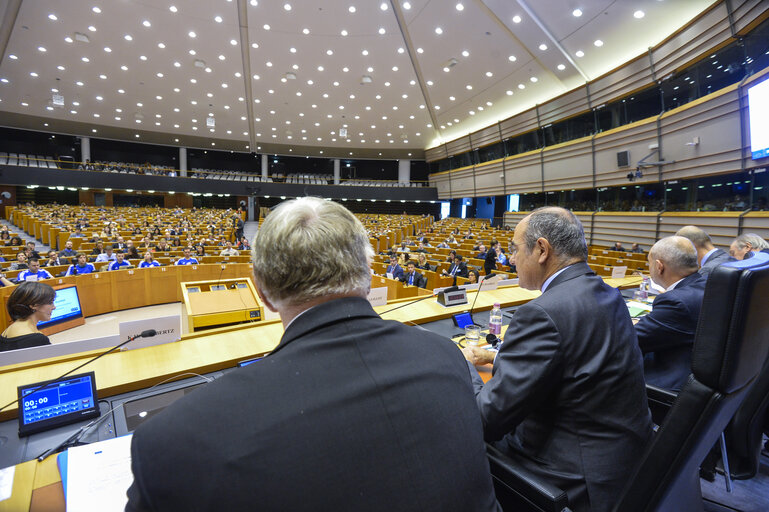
<point>20,263</point>
<point>148,261</point>
<point>422,262</point>
<point>200,250</point>
<point>31,302</point>
<point>473,276</point>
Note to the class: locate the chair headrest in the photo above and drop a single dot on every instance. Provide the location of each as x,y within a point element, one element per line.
<point>732,336</point>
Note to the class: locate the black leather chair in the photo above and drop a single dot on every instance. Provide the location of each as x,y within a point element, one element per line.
<point>730,349</point>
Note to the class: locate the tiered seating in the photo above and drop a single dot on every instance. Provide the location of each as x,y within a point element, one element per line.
<point>22,160</point>
<point>310,179</point>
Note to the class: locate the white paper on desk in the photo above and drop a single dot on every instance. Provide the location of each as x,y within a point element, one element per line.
<point>618,272</point>
<point>6,482</point>
<point>98,476</point>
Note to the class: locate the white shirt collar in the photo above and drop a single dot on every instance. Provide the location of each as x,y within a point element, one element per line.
<point>673,285</point>
<point>550,279</point>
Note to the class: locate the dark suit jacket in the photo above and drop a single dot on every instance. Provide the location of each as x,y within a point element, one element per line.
<point>666,335</point>
<point>567,397</point>
<point>490,262</point>
<point>461,270</point>
<point>349,412</point>
<point>713,261</point>
<point>419,280</point>
<point>396,271</point>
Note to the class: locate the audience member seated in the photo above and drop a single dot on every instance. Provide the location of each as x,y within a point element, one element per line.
<point>636,248</point>
<point>384,434</point>
<point>187,259</point>
<point>78,233</point>
<point>34,273</point>
<point>15,240</point>
<point>394,269</point>
<point>666,334</point>
<point>422,262</point>
<point>481,252</point>
<point>29,303</point>
<point>99,249</point>
<point>228,250</point>
<point>20,263</point>
<point>618,247</point>
<point>31,252</point>
<point>501,258</point>
<point>243,245</point>
<point>53,260</point>
<point>148,261</point>
<point>81,267</point>
<point>200,250</point>
<point>131,251</point>
<point>119,244</point>
<point>412,277</point>
<point>567,400</point>
<point>119,262</point>
<point>163,246</point>
<point>68,251</point>
<point>708,256</point>
<point>473,276</point>
<point>746,244</point>
<point>107,255</point>
<point>458,268</point>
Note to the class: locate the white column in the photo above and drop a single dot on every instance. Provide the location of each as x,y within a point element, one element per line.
<point>265,166</point>
<point>404,171</point>
<point>336,171</point>
<point>182,161</point>
<point>250,208</point>
<point>85,148</point>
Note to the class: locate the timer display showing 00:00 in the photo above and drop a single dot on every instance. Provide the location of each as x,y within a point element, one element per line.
<point>35,403</point>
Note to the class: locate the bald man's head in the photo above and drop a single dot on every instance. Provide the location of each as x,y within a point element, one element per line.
<point>697,236</point>
<point>671,259</point>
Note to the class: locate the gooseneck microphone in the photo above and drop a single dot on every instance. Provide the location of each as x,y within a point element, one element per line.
<point>401,306</point>
<point>144,334</point>
<point>477,292</point>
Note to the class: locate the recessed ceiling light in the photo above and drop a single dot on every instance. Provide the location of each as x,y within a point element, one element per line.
<point>345,69</point>
<point>143,57</point>
<point>305,31</point>
<point>383,6</point>
<point>103,76</point>
<point>598,43</point>
<point>85,59</point>
<point>41,49</point>
<point>460,7</point>
<point>381,31</point>
<point>173,8</point>
<point>489,74</point>
<point>512,58</point>
<point>218,19</point>
<point>329,52</point>
<point>268,64</point>
<point>521,86</point>
<point>266,26</point>
<point>124,68</point>
<point>438,30</point>
<point>561,67</point>
<point>160,75</point>
<point>192,52</point>
<point>192,34</point>
<point>352,9</point>
<point>161,45</point>
<point>534,79</point>
<point>128,37</point>
<point>576,13</point>
<point>91,28</point>
<point>639,14</point>
<point>221,57</point>
<point>12,57</point>
<point>516,19</point>
<point>52,17</point>
<point>32,74</point>
<point>469,87</point>
<point>108,49</point>
<point>420,50</point>
<point>177,65</point>
<point>364,52</point>
<point>580,53</point>
<point>543,47</point>
<point>234,43</point>
<point>146,23</point>
<point>406,5</point>
<point>60,68</point>
<point>509,92</point>
<point>96,10</point>
<point>344,33</point>
<point>287,7</point>
<point>254,3</point>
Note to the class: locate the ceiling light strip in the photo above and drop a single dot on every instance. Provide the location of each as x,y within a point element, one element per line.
<point>246,56</point>
<point>415,64</point>
<point>550,36</point>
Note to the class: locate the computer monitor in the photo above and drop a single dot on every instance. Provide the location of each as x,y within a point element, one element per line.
<point>67,303</point>
<point>58,403</point>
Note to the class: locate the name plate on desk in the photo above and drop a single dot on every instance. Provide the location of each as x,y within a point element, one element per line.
<point>377,296</point>
<point>452,298</point>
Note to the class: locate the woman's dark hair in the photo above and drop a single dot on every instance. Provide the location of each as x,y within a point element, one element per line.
<point>476,274</point>
<point>16,241</point>
<point>26,295</point>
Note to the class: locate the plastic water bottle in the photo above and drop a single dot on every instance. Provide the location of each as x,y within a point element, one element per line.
<point>495,320</point>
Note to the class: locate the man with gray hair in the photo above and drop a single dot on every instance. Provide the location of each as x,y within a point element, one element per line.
<point>567,398</point>
<point>339,416</point>
<point>708,255</point>
<point>666,334</point>
<point>746,244</point>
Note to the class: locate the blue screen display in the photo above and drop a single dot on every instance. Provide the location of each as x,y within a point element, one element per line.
<point>67,304</point>
<point>463,320</point>
<point>61,398</point>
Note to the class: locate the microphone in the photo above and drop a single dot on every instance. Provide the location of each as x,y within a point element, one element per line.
<point>401,306</point>
<point>492,340</point>
<point>144,334</point>
<point>477,292</point>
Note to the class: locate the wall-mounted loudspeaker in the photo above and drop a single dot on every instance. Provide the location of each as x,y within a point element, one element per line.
<point>623,158</point>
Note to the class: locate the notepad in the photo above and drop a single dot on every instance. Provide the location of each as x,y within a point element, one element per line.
<point>98,475</point>
<point>637,309</point>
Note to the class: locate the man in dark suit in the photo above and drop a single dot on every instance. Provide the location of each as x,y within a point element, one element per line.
<point>567,399</point>
<point>458,268</point>
<point>394,269</point>
<point>338,416</point>
<point>708,256</point>
<point>412,277</point>
<point>745,245</point>
<point>666,335</point>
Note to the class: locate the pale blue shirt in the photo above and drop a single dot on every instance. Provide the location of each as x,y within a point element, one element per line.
<point>708,255</point>
<point>550,279</point>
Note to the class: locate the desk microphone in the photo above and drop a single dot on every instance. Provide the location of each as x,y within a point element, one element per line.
<point>144,334</point>
<point>493,340</point>
<point>477,292</point>
<point>402,305</point>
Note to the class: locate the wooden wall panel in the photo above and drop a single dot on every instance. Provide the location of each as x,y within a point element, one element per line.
<point>586,219</point>
<point>627,228</point>
<point>715,122</point>
<point>457,146</point>
<point>756,222</point>
<point>636,138</point>
<point>485,137</point>
<point>567,105</point>
<point>706,32</point>
<point>487,179</point>
<point>569,165</point>
<point>721,226</point>
<point>745,12</point>
<point>523,173</point>
<point>441,181</point>
<point>462,184</point>
<point>519,123</point>
<point>631,77</point>
<point>436,153</point>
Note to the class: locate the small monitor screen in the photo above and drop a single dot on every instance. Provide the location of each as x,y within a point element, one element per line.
<point>758,106</point>
<point>61,402</point>
<point>67,304</point>
<point>462,320</point>
<point>248,362</point>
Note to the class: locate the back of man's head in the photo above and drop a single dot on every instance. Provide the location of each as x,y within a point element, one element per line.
<point>677,253</point>
<point>561,228</point>
<point>697,236</point>
<point>285,252</point>
<point>756,242</point>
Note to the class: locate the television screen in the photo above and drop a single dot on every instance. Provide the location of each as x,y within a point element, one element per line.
<point>758,101</point>
<point>67,304</point>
